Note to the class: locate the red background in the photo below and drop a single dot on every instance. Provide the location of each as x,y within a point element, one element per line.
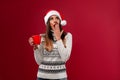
<point>95,26</point>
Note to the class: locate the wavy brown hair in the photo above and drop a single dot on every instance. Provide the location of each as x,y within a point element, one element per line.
<point>49,37</point>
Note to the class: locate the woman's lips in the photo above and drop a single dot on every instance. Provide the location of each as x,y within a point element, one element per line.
<point>56,24</point>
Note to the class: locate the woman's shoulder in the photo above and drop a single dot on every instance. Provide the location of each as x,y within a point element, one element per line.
<point>42,37</point>
<point>69,34</point>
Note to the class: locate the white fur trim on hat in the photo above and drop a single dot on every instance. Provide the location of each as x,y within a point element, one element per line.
<point>63,22</point>
<point>54,12</point>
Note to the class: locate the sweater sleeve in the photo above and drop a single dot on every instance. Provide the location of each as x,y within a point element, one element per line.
<point>65,52</point>
<point>38,53</point>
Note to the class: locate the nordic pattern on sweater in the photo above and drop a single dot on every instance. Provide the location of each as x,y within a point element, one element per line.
<point>52,64</point>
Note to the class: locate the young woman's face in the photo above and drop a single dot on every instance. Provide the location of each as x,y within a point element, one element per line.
<point>54,20</point>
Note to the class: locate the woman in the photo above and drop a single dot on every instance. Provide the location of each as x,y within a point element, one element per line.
<point>54,49</point>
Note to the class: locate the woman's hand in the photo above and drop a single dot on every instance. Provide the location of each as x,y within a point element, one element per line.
<point>31,42</point>
<point>57,32</point>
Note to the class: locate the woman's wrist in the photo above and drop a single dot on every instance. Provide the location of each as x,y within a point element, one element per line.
<point>35,47</point>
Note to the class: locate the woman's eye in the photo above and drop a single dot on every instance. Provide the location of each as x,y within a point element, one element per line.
<point>51,18</point>
<point>57,17</point>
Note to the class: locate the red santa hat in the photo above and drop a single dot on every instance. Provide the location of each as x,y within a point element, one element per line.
<point>54,12</point>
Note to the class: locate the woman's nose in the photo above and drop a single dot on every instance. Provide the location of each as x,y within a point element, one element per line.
<point>55,22</point>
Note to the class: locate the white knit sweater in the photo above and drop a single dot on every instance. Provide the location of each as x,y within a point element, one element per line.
<point>52,64</point>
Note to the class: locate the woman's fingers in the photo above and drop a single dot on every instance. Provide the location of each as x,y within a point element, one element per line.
<point>57,27</point>
<point>61,32</point>
<point>31,41</point>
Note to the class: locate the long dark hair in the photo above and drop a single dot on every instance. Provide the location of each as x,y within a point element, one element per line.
<point>49,37</point>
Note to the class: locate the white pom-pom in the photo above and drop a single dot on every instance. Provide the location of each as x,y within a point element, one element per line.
<point>63,22</point>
